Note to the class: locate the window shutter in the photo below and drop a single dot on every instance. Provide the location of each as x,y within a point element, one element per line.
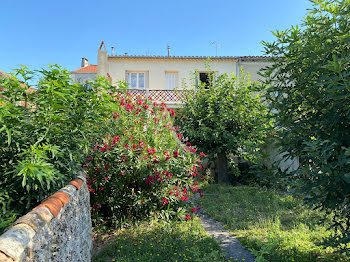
<point>171,80</point>
<point>127,80</point>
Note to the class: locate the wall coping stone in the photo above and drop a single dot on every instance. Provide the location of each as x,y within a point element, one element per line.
<point>18,236</point>
<point>69,189</point>
<point>14,241</point>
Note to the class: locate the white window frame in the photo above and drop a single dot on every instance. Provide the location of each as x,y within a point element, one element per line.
<point>145,79</point>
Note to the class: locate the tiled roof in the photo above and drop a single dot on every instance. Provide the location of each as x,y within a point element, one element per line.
<point>243,58</point>
<point>30,90</point>
<point>89,68</point>
<point>3,74</point>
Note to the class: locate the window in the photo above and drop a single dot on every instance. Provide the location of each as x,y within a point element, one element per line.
<point>171,80</point>
<point>136,80</point>
<point>205,78</point>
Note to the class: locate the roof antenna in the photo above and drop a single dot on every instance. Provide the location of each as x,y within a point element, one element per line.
<point>216,46</point>
<point>168,50</point>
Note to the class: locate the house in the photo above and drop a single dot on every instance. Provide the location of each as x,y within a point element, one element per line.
<point>85,73</point>
<point>29,90</point>
<point>163,77</point>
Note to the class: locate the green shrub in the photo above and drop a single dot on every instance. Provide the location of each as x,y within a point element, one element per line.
<point>309,91</point>
<point>140,168</point>
<point>225,117</point>
<point>41,145</point>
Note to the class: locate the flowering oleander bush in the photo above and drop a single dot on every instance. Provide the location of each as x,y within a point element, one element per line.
<point>141,167</point>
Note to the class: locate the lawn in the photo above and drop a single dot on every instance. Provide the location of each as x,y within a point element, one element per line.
<point>161,241</point>
<point>275,228</point>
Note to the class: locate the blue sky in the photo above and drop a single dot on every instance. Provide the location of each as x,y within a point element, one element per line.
<point>41,32</point>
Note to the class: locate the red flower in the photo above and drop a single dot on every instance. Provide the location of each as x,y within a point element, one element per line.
<point>106,166</point>
<point>188,217</point>
<point>165,201</point>
<point>193,209</point>
<point>126,145</point>
<point>182,198</point>
<point>106,178</point>
<point>202,154</point>
<point>151,151</point>
<point>176,153</point>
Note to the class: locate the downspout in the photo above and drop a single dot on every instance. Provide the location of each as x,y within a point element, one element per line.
<point>238,67</point>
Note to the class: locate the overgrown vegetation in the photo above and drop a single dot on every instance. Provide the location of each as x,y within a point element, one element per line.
<point>309,91</point>
<point>274,227</point>
<point>41,144</point>
<point>161,241</point>
<point>225,117</point>
<point>141,167</point>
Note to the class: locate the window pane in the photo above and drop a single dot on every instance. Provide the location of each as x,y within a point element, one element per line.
<point>133,80</point>
<point>171,81</point>
<point>141,80</point>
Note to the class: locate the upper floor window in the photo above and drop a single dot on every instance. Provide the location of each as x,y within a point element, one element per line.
<point>136,80</point>
<point>205,78</point>
<point>171,80</point>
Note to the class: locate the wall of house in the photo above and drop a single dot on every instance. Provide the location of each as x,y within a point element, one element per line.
<point>253,68</point>
<point>156,68</point>
<point>59,229</point>
<point>82,77</point>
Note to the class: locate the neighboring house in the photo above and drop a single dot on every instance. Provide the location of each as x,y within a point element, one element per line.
<point>162,77</point>
<point>27,91</point>
<point>85,73</point>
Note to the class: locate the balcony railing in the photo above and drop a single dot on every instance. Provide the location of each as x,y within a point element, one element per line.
<point>166,96</point>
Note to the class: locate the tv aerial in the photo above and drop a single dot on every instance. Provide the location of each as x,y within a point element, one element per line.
<point>216,46</point>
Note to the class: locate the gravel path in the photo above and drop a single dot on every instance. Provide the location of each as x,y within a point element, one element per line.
<point>229,244</point>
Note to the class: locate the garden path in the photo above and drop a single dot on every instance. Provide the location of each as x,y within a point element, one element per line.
<point>229,244</point>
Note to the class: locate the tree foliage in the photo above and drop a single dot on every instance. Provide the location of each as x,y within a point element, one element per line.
<point>225,117</point>
<point>309,92</point>
<point>41,144</point>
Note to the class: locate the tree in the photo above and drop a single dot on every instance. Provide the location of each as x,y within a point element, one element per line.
<point>224,117</point>
<point>309,91</point>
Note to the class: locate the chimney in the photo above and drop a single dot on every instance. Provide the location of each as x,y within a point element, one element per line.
<point>126,54</point>
<point>84,62</point>
<point>168,50</point>
<point>112,50</point>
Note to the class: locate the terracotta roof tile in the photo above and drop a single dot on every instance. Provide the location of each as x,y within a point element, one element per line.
<point>89,68</point>
<point>246,58</point>
<point>3,74</point>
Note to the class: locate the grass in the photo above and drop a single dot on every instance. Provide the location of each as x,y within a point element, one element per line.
<point>161,241</point>
<point>275,228</point>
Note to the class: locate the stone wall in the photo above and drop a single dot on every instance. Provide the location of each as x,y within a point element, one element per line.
<point>59,229</point>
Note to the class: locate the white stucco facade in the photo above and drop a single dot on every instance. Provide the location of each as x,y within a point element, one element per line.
<point>156,68</point>
<point>82,77</point>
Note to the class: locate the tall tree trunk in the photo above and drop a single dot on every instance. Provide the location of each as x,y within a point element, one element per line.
<point>221,167</point>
